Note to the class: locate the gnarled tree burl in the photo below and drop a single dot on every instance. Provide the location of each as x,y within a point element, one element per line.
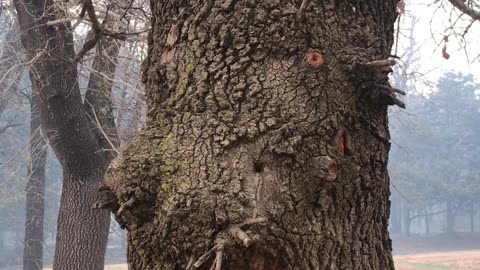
<point>267,138</point>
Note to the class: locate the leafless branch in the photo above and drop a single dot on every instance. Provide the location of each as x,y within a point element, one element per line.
<point>460,5</point>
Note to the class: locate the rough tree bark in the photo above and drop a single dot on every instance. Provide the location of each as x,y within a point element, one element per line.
<point>35,192</point>
<point>266,141</point>
<point>82,232</point>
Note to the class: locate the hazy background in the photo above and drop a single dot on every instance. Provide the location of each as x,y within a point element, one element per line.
<point>434,160</point>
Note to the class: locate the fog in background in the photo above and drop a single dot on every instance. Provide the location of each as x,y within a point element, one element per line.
<point>434,159</point>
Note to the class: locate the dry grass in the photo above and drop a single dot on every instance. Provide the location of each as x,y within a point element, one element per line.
<point>454,260</point>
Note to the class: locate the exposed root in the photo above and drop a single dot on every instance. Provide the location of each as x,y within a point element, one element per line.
<point>190,262</point>
<point>126,205</point>
<point>223,240</point>
<point>205,257</point>
<point>219,255</point>
<point>240,235</point>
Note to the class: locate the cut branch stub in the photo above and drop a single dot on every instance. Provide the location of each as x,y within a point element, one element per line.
<point>106,199</point>
<point>332,172</point>
<point>329,166</point>
<point>314,59</point>
<point>381,63</point>
<point>241,236</point>
<point>126,205</point>
<point>344,141</point>
<point>382,66</point>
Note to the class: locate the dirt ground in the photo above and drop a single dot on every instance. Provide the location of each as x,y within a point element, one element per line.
<point>440,252</point>
<point>460,251</point>
<point>453,260</point>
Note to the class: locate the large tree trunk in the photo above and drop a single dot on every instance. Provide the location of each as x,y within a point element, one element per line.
<point>266,142</point>
<point>35,193</point>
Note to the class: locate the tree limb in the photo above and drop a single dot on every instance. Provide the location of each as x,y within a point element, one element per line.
<point>460,5</point>
<point>8,126</point>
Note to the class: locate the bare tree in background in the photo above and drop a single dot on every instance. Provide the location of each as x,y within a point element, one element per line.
<point>469,7</point>
<point>11,72</point>
<point>35,192</point>
<point>82,135</point>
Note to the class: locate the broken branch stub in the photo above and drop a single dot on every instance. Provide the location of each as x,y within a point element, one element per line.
<point>381,63</point>
<point>314,59</point>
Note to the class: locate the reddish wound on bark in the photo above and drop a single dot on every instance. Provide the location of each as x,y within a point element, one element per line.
<point>344,141</point>
<point>332,172</point>
<point>341,144</point>
<point>314,59</point>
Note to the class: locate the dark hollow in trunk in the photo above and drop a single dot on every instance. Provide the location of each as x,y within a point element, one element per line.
<point>266,142</point>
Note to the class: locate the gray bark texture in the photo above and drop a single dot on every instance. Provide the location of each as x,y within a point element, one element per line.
<point>35,193</point>
<point>72,131</point>
<point>266,142</point>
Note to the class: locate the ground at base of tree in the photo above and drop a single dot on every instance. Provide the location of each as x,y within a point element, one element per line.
<point>454,260</point>
<point>420,244</point>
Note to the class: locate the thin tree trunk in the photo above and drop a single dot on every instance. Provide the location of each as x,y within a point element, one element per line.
<point>35,192</point>
<point>450,218</point>
<point>406,219</point>
<point>472,218</point>
<point>396,215</point>
<point>427,222</point>
<point>266,142</point>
